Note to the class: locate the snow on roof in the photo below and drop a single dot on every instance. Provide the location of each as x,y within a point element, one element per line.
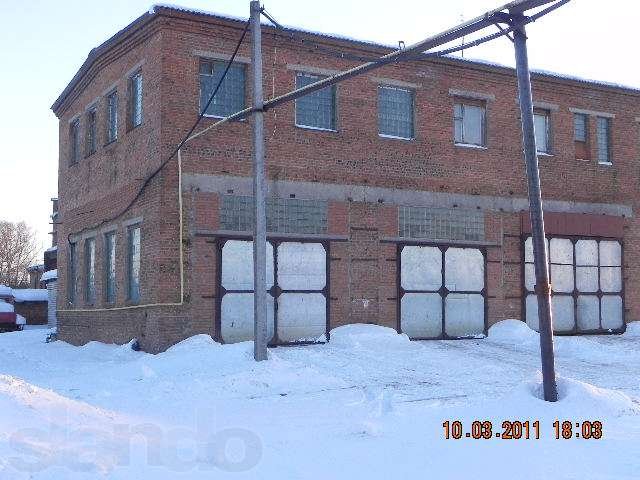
<point>49,275</point>
<point>31,294</point>
<point>5,291</point>
<point>5,307</point>
<point>52,249</point>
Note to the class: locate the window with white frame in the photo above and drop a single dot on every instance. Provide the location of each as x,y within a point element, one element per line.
<point>135,99</point>
<point>470,123</point>
<point>133,263</point>
<point>317,109</point>
<point>110,267</point>
<point>542,127</point>
<point>112,117</point>
<point>395,112</point>
<point>603,132</point>
<point>230,97</point>
<point>90,270</point>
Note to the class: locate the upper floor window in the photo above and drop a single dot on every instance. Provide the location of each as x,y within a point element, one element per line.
<point>603,132</point>
<point>110,267</point>
<point>74,142</point>
<point>317,109</point>
<point>542,127</point>
<point>91,131</point>
<point>135,99</point>
<point>395,112</point>
<point>581,135</point>
<point>231,94</point>
<point>133,263</point>
<point>469,123</point>
<point>90,270</point>
<point>112,117</point>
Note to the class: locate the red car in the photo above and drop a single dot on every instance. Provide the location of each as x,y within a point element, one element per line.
<point>9,321</point>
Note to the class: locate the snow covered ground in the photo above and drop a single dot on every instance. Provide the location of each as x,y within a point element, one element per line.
<point>370,404</point>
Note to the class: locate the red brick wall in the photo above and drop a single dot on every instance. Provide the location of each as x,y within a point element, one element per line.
<point>363,269</point>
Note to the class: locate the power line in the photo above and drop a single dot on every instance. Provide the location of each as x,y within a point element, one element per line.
<point>153,174</point>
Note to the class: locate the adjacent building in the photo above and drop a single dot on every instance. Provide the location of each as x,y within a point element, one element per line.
<point>395,198</point>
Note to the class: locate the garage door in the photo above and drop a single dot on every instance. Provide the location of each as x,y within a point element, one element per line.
<point>442,292</point>
<point>297,307</point>
<point>586,281</point>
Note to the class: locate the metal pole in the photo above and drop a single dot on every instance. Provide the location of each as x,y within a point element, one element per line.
<point>260,221</point>
<point>540,254</point>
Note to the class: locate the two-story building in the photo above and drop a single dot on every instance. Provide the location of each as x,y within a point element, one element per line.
<point>396,198</point>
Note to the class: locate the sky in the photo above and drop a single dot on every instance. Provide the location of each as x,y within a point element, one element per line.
<point>44,42</point>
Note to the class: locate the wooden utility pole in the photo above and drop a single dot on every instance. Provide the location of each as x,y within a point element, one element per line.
<point>540,253</point>
<point>259,193</point>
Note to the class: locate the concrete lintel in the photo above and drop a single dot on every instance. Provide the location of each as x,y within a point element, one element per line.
<point>594,113</point>
<point>363,193</point>
<point>220,56</point>
<point>392,82</point>
<point>311,69</point>
<point>454,92</point>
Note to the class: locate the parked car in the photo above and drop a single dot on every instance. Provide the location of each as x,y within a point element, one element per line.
<point>9,320</point>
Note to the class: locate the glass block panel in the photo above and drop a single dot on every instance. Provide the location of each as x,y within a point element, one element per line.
<point>561,251</point>
<point>302,266</point>
<point>317,109</point>
<point>441,223</point>
<point>421,315</point>
<point>301,316</point>
<point>236,319</point>
<point>611,279</point>
<point>230,97</point>
<point>237,265</point>
<point>531,306</point>
<point>612,315</point>
<point>563,313</point>
<point>421,268</point>
<point>588,312</point>
<point>587,253</point>
<point>529,277</point>
<point>464,315</point>
<point>395,112</point>
<point>464,269</point>
<point>562,278</point>
<point>610,254</point>
<point>587,279</point>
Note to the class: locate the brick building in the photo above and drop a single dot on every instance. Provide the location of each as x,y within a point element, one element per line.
<point>395,198</point>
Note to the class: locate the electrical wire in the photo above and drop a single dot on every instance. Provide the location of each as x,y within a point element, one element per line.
<point>153,174</point>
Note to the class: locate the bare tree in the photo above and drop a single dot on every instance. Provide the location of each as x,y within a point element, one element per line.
<point>18,250</point>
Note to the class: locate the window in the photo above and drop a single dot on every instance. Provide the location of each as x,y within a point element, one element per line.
<point>581,135</point>
<point>604,140</point>
<point>72,272</point>
<point>587,285</point>
<point>542,129</point>
<point>110,267</point>
<point>133,263</point>
<point>469,123</point>
<point>395,112</point>
<point>135,97</point>
<point>231,94</point>
<point>90,270</point>
<point>91,131</point>
<point>318,109</point>
<point>112,117</point>
<point>74,142</point>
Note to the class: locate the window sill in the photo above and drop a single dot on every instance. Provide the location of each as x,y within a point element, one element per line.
<point>394,137</point>
<point>317,129</point>
<point>544,154</point>
<point>605,164</point>
<point>471,145</point>
<point>218,117</point>
<point>110,142</point>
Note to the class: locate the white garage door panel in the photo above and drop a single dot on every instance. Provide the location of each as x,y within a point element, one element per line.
<point>237,317</point>
<point>301,316</point>
<point>421,315</point>
<point>237,265</point>
<point>464,269</point>
<point>302,266</point>
<point>421,268</point>
<point>464,315</point>
<point>562,312</point>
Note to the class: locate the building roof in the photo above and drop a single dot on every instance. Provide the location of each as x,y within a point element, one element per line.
<point>168,9</point>
<point>30,295</point>
<point>49,275</point>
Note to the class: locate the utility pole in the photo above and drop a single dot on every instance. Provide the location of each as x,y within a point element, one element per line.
<point>540,253</point>
<point>259,191</point>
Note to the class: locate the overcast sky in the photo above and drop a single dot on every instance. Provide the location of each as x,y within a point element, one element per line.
<point>44,42</point>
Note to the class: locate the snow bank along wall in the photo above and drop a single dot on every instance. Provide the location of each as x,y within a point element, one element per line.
<point>426,234</point>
